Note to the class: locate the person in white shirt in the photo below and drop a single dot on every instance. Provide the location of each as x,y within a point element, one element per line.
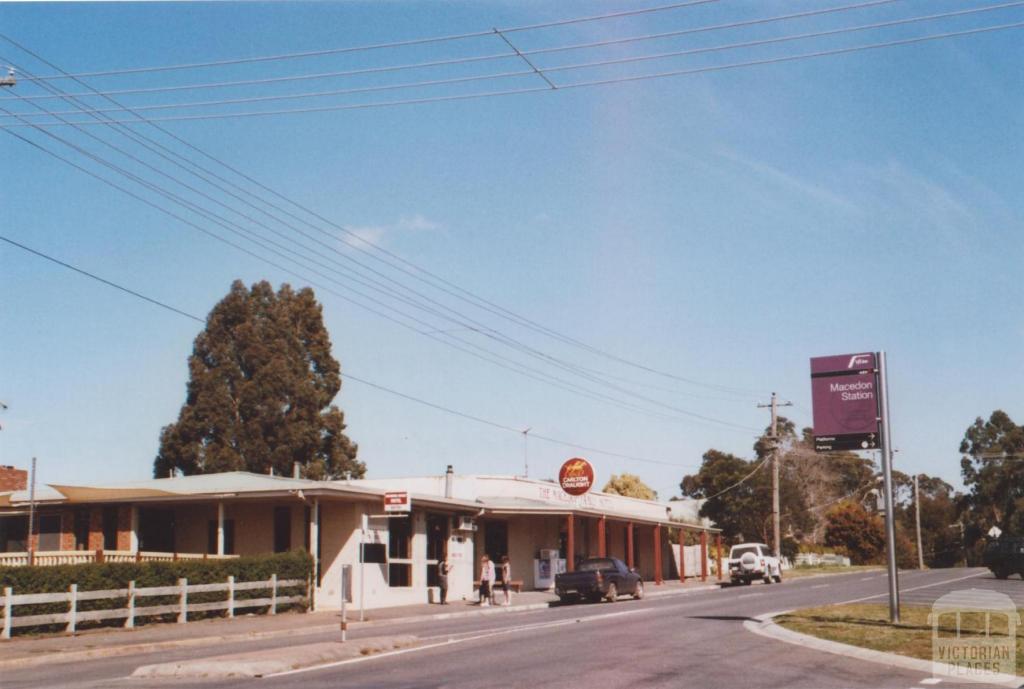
<point>486,580</point>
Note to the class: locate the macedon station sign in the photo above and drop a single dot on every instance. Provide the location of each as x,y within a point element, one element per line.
<point>844,394</point>
<point>576,476</point>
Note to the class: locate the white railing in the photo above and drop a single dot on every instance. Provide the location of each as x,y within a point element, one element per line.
<point>77,557</point>
<point>133,610</point>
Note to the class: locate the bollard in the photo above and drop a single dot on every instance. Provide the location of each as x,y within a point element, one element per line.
<point>8,612</point>
<point>129,621</point>
<point>72,608</point>
<point>183,601</point>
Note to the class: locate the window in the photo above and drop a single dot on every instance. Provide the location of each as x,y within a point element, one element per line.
<point>496,543</point>
<point>437,544</point>
<point>596,565</point>
<point>400,552</point>
<point>156,530</point>
<point>399,537</point>
<point>110,528</point>
<point>13,534</point>
<point>49,532</point>
<point>229,537</point>
<point>282,529</point>
<point>82,518</point>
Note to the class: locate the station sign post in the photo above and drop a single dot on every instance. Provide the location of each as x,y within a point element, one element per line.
<point>850,399</point>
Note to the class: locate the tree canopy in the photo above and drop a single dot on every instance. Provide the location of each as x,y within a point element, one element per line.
<point>629,485</point>
<point>259,397</point>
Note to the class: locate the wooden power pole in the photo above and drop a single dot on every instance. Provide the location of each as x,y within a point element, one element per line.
<point>917,520</point>
<point>776,527</point>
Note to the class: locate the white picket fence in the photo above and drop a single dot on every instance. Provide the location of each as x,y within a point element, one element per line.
<point>133,610</point>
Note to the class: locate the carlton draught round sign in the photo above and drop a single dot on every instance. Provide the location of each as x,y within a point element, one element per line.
<point>576,476</point>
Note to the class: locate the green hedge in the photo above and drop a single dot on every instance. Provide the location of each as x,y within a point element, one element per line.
<point>116,575</point>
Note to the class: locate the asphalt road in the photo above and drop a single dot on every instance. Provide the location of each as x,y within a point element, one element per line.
<point>691,640</point>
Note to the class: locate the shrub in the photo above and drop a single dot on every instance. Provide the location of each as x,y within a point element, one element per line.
<point>116,575</point>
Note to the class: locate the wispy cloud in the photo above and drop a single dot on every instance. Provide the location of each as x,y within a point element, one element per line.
<point>789,181</point>
<point>375,234</point>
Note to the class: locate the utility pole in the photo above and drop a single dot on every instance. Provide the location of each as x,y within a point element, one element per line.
<point>776,528</point>
<point>526,458</point>
<point>917,520</point>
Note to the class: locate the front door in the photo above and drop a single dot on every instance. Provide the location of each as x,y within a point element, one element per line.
<point>437,544</point>
<point>496,543</point>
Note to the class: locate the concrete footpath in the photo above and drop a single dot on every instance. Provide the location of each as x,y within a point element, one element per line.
<point>29,651</point>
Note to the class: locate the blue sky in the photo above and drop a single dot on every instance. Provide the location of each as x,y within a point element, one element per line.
<point>723,226</point>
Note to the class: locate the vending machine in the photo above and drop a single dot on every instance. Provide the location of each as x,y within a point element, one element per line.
<point>546,567</point>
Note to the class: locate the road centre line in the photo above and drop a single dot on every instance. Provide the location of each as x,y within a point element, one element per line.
<point>821,586</point>
<point>915,588</point>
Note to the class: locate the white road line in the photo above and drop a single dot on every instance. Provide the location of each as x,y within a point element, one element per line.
<point>930,680</point>
<point>915,588</point>
<point>821,586</point>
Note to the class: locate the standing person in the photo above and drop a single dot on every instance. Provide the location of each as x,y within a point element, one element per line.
<point>506,578</point>
<point>443,569</point>
<point>486,580</point>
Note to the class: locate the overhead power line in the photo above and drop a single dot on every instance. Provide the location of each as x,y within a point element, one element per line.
<point>378,46</point>
<point>739,483</point>
<point>346,376</point>
<point>543,73</point>
<point>289,254</point>
<point>391,260</point>
<point>468,59</point>
<point>106,282</point>
<point>561,87</point>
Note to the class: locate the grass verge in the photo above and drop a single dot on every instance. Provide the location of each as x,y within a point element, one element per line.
<point>867,626</point>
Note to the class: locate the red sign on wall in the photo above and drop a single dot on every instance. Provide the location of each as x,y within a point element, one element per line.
<point>576,476</point>
<point>397,502</point>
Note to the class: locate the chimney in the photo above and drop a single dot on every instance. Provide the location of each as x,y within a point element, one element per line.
<point>12,479</point>
<point>296,470</point>
<point>448,475</point>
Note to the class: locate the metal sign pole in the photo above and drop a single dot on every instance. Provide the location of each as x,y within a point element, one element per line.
<point>344,599</point>
<point>362,565</point>
<point>890,518</point>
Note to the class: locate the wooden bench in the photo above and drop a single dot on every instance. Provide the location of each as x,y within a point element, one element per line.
<point>516,585</point>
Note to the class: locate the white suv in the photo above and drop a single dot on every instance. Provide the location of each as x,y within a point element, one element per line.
<point>749,561</point>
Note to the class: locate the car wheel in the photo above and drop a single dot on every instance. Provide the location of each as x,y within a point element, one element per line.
<point>565,600</point>
<point>768,578</point>
<point>778,577</point>
<point>1001,574</point>
<point>613,593</point>
<point>748,582</point>
<point>639,592</point>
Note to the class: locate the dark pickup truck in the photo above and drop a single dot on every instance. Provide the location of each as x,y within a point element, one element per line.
<point>597,578</point>
<point>1005,556</point>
